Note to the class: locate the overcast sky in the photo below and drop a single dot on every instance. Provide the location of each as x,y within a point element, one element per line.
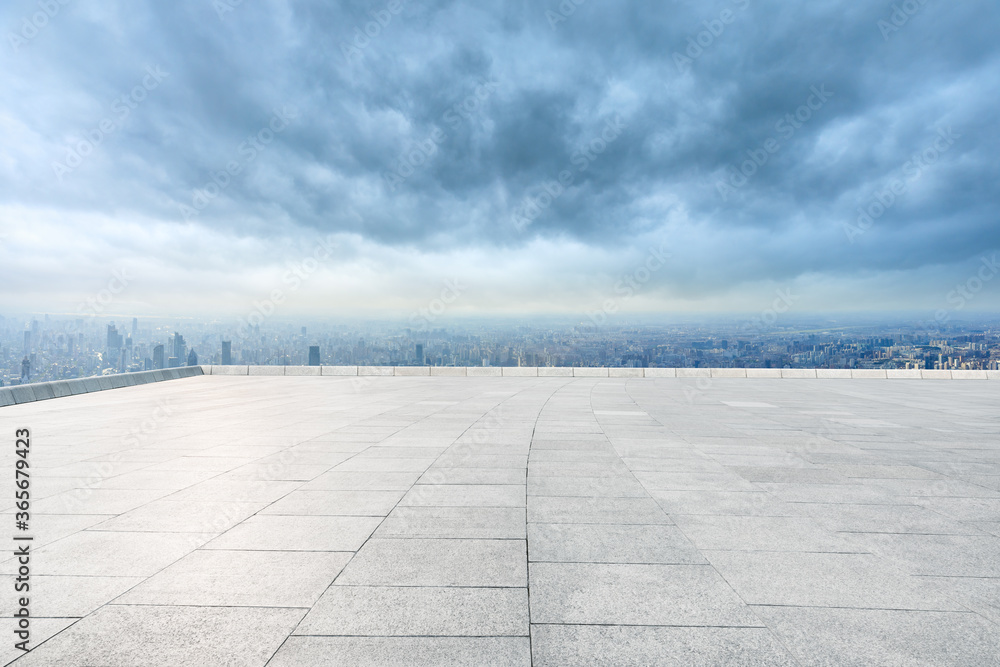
<point>531,153</point>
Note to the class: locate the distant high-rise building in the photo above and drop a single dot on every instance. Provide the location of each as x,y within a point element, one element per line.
<point>135,326</point>
<point>178,348</point>
<point>420,354</point>
<point>173,362</point>
<point>314,355</point>
<point>227,353</point>
<point>25,370</point>
<point>303,331</point>
<point>147,364</point>
<point>115,340</point>
<point>192,359</point>
<point>27,342</point>
<point>158,357</point>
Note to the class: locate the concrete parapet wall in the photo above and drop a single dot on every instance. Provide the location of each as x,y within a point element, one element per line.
<point>43,391</point>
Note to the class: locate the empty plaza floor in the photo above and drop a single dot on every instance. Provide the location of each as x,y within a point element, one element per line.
<point>505,521</point>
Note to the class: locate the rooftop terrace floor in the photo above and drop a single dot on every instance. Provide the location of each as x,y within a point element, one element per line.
<point>504,521</point>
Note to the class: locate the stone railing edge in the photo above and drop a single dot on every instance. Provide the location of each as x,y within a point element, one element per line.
<point>40,391</point>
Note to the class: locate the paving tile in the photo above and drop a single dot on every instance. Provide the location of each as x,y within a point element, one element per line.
<point>297,533</point>
<point>606,487</point>
<point>472,495</point>
<point>438,562</point>
<point>335,480</point>
<point>603,543</point>
<point>418,611</point>
<point>69,596</point>
<point>112,554</point>
<point>126,635</point>
<point>758,533</point>
<point>617,646</point>
<point>739,503</point>
<point>383,651</point>
<point>936,555</point>
<point>545,509</point>
<point>182,517</point>
<point>884,519</point>
<point>436,475</point>
<point>234,490</point>
<point>603,594</point>
<point>97,501</point>
<point>336,503</point>
<point>856,580</point>
<point>454,522</point>
<point>241,579</point>
<point>860,638</point>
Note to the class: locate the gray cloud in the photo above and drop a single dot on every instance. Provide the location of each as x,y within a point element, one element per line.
<point>363,105</point>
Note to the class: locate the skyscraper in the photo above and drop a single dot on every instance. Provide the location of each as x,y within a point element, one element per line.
<point>135,326</point>
<point>420,354</point>
<point>25,370</point>
<point>27,342</point>
<point>158,357</point>
<point>227,353</point>
<point>314,355</point>
<point>192,358</point>
<point>178,348</point>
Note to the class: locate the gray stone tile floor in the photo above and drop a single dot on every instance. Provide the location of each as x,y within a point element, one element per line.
<point>354,521</point>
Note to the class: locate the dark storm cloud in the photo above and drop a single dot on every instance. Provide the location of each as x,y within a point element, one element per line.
<point>449,124</point>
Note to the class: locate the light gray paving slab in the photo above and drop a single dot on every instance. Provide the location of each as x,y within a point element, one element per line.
<point>387,611</point>
<point>336,503</point>
<point>436,475</point>
<point>860,638</point>
<point>858,580</point>
<point>471,495</point>
<point>555,509</point>
<point>438,562</point>
<point>604,543</point>
<point>126,635</point>
<point>338,480</point>
<point>758,533</point>
<point>106,554</point>
<point>69,596</point>
<point>936,555</point>
<point>241,579</point>
<point>267,532</point>
<point>384,651</point>
<point>454,522</point>
<point>621,646</point>
<point>603,594</point>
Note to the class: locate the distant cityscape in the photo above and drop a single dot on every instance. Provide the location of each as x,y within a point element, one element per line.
<point>43,347</point>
